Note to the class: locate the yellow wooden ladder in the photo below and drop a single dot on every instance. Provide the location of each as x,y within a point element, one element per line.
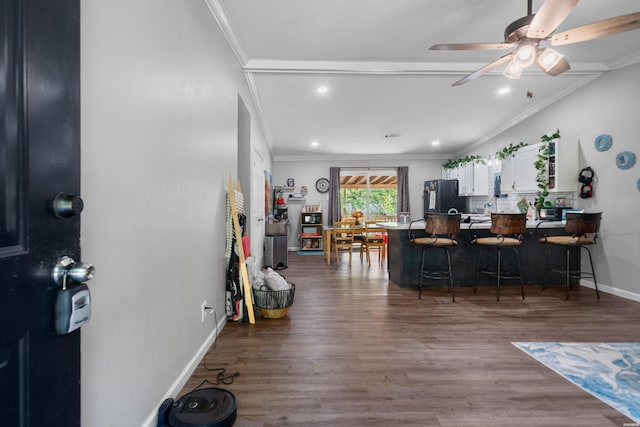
<point>236,201</point>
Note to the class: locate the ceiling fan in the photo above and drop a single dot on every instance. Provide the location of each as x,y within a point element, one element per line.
<point>526,33</point>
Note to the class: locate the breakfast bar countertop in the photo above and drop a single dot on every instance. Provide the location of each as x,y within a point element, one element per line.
<point>403,257</point>
<point>475,224</point>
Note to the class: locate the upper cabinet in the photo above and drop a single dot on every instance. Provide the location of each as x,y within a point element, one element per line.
<point>563,165</point>
<point>475,181</point>
<point>519,171</point>
<point>473,178</point>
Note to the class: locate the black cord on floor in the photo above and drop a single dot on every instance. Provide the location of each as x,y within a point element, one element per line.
<point>221,376</point>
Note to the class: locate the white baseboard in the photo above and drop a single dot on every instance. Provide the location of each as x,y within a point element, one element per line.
<point>611,290</point>
<point>181,380</point>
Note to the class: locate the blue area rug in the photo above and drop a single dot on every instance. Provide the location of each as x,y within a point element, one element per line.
<point>609,371</point>
<point>310,252</point>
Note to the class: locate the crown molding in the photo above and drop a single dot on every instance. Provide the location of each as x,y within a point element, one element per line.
<point>216,9</point>
<point>625,62</point>
<point>529,112</point>
<point>400,68</point>
<point>359,157</point>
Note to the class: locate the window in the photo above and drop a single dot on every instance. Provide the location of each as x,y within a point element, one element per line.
<point>372,192</point>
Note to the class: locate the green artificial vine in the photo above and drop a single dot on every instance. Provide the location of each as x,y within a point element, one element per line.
<point>452,164</point>
<point>509,151</point>
<point>541,165</point>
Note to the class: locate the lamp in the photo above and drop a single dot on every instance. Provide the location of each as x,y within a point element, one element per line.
<point>549,58</point>
<point>512,71</point>
<point>525,56</point>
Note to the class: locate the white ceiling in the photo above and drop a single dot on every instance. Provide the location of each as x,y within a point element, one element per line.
<point>382,79</point>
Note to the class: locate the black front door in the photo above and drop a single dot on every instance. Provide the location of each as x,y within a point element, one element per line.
<point>39,158</point>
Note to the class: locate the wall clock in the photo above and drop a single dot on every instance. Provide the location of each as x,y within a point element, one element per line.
<point>322,185</point>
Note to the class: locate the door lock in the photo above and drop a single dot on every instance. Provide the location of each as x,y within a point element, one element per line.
<point>66,205</point>
<point>67,268</point>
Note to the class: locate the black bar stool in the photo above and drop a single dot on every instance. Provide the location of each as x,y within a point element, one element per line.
<point>441,229</point>
<point>579,227</point>
<point>509,230</point>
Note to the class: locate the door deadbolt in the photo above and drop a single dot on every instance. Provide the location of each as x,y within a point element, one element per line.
<point>66,205</point>
<point>67,269</point>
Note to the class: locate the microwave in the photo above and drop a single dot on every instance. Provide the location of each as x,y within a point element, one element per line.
<point>553,213</point>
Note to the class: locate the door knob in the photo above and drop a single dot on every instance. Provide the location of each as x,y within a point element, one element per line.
<point>67,269</point>
<point>66,205</point>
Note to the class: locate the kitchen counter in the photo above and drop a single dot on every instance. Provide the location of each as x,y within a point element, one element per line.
<point>403,257</point>
<point>475,224</point>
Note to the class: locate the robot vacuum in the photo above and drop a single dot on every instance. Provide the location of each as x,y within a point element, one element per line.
<point>207,407</point>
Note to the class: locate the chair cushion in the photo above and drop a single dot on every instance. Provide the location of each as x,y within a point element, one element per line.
<point>435,241</point>
<point>497,241</point>
<point>566,240</point>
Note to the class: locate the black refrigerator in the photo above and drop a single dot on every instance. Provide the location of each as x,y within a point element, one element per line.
<point>441,195</point>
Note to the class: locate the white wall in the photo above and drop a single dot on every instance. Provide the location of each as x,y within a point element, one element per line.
<point>608,105</point>
<point>160,91</point>
<point>307,172</point>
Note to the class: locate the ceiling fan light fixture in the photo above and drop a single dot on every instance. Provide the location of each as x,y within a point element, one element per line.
<point>549,58</point>
<point>512,71</point>
<point>525,56</point>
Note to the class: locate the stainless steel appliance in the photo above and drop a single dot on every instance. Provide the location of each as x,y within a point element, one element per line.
<point>553,213</point>
<point>441,195</point>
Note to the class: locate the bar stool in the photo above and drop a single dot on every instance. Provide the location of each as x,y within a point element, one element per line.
<point>509,230</point>
<point>578,226</point>
<point>441,229</point>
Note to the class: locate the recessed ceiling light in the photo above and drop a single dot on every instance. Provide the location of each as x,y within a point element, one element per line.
<point>434,143</point>
<point>314,143</point>
<point>322,89</point>
<point>504,90</point>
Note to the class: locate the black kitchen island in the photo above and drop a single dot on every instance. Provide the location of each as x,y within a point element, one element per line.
<point>403,258</point>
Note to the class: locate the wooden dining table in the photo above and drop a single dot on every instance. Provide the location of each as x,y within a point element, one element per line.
<point>327,237</point>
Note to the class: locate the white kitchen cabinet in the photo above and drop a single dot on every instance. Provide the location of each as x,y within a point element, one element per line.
<point>475,181</point>
<point>563,165</point>
<point>452,173</point>
<point>473,178</point>
<point>519,171</point>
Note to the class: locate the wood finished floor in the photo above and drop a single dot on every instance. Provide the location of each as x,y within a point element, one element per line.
<point>355,350</point>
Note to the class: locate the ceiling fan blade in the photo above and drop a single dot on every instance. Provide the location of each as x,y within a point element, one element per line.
<point>472,46</point>
<point>560,67</point>
<point>606,27</point>
<point>549,17</point>
<point>485,69</point>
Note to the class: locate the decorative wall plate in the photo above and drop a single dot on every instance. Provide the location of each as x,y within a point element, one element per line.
<point>603,142</point>
<point>625,160</point>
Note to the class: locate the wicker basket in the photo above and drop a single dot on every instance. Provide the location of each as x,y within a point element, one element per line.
<point>274,304</point>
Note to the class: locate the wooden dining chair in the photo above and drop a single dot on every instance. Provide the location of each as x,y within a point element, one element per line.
<point>373,237</point>
<point>343,233</point>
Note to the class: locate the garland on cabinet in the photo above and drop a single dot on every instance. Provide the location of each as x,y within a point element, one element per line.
<point>541,165</point>
<point>509,150</point>
<point>452,164</point>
